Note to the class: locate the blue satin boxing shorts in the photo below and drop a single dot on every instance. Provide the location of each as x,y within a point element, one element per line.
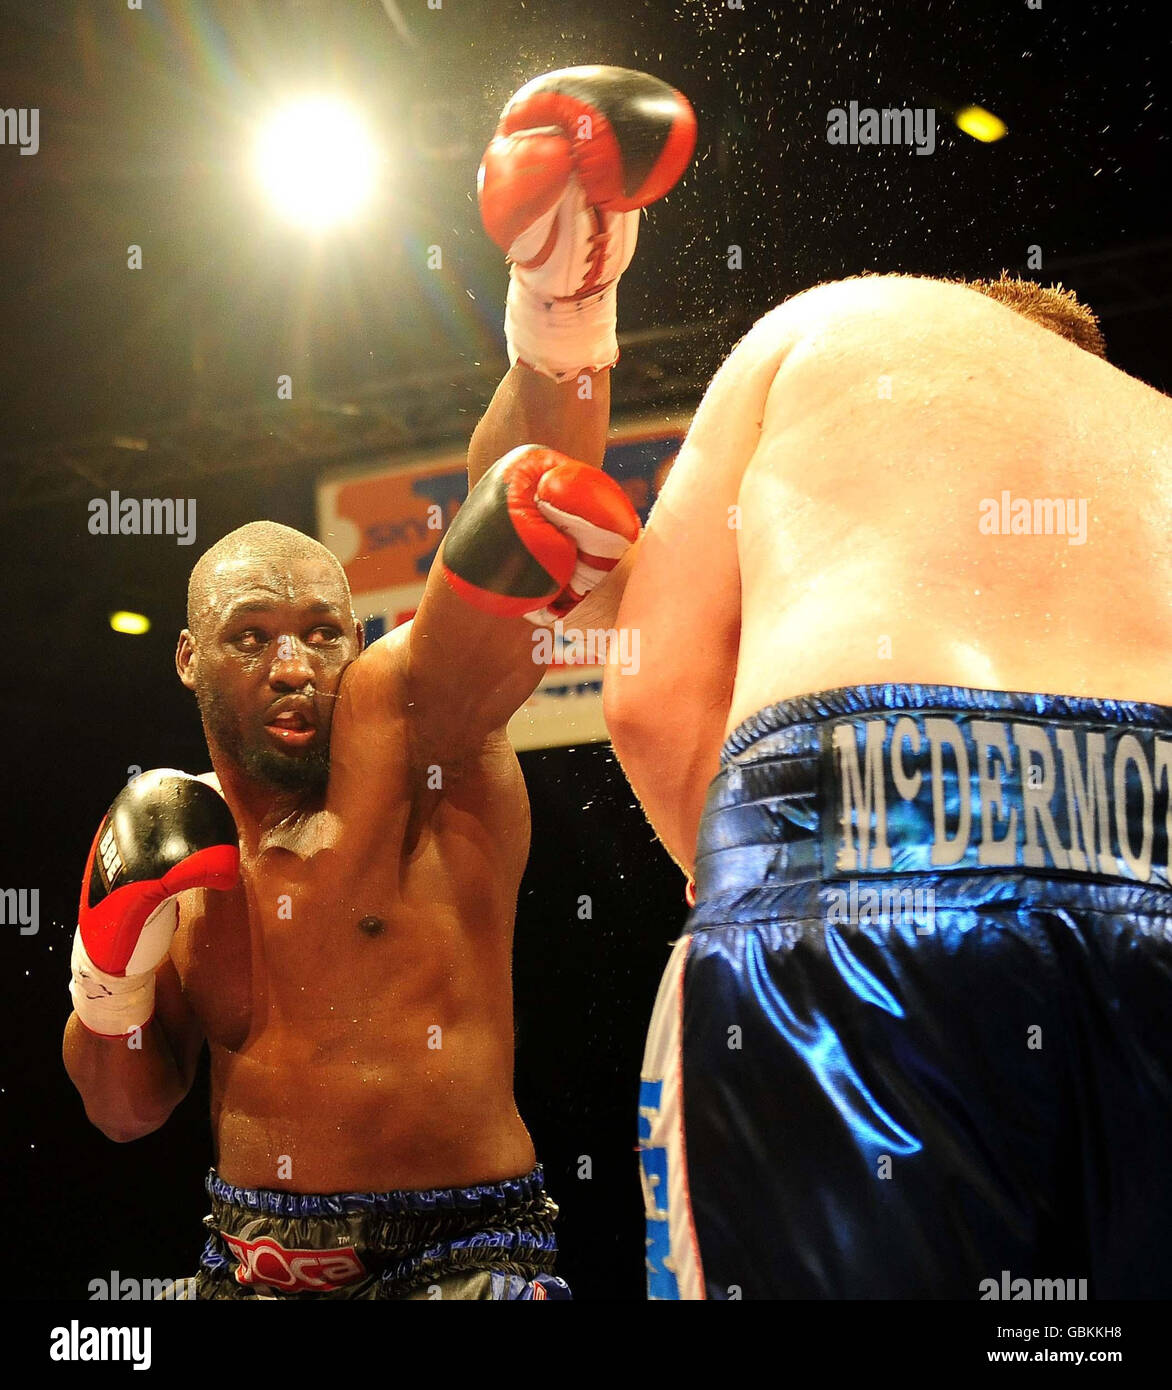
<point>916,1041</point>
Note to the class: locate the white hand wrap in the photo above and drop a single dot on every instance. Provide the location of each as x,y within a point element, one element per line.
<point>113,1005</point>
<point>555,321</point>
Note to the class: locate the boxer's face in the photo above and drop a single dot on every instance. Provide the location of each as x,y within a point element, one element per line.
<point>265,662</point>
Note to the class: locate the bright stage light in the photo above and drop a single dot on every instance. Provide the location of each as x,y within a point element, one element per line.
<point>317,161</point>
<point>981,124</point>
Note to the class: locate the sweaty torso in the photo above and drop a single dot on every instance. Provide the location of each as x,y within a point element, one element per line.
<point>355,990</point>
<point>869,549</point>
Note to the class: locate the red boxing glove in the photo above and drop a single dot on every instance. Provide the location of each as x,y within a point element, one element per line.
<point>536,534</point>
<point>165,833</point>
<point>576,154</point>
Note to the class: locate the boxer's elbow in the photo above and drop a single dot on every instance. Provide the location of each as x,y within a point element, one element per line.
<point>653,770</point>
<point>119,1118</point>
<point>625,716</point>
<point>124,1126</point>
<point>643,725</point>
<point>119,1133</point>
<point>652,725</point>
<point>637,742</point>
<point>649,755</point>
<point>628,702</point>
<point>115,1107</point>
<point>670,756</point>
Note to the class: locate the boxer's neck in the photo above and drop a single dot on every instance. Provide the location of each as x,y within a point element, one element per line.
<point>261,810</point>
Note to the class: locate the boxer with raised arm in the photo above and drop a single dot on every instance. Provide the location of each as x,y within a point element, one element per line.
<point>904,714</point>
<point>332,910</point>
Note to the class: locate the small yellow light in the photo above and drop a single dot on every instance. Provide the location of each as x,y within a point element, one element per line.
<point>133,623</point>
<point>981,124</point>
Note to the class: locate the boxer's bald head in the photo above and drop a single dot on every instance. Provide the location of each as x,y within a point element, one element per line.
<point>263,543</point>
<point>1050,306</point>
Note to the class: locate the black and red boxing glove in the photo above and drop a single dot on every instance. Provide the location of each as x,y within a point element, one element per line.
<point>576,154</point>
<point>536,534</point>
<point>166,832</point>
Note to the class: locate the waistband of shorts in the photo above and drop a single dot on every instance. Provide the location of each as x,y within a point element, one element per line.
<point>501,1196</point>
<point>966,789</point>
<point>899,695</point>
<point>264,1243</point>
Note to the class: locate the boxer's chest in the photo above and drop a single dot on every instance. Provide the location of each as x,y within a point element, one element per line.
<point>325,925</point>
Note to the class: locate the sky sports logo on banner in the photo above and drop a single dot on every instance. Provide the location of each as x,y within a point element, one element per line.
<point>916,792</point>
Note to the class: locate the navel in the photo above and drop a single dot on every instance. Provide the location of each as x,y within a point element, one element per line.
<point>372,926</point>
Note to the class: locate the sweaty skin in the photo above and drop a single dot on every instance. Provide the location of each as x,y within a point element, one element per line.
<point>851,438</point>
<point>355,991</point>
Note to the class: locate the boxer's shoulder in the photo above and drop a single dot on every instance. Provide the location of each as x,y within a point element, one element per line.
<point>374,696</point>
<point>951,332</point>
<point>374,682</point>
<point>869,305</point>
<point>369,733</point>
<point>869,314</point>
<point>955,339</point>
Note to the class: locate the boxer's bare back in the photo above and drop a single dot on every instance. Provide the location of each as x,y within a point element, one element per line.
<point>839,502</point>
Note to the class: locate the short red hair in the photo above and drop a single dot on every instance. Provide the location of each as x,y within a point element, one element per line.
<point>1048,305</point>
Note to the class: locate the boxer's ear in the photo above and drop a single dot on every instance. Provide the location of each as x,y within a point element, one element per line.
<point>185,659</point>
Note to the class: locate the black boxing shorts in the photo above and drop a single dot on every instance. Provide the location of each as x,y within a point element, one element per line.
<point>494,1240</point>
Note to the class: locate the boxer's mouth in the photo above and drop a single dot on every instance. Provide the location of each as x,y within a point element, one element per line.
<point>292,728</point>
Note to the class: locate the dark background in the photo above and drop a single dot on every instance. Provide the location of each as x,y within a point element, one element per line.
<point>144,120</point>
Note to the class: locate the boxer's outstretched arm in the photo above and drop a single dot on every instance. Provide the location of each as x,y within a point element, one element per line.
<point>535,536</point>
<point>468,671</point>
<point>667,716</point>
<point>528,408</point>
<point>576,155</point>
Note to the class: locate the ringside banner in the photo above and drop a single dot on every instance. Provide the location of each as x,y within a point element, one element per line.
<point>385,523</point>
